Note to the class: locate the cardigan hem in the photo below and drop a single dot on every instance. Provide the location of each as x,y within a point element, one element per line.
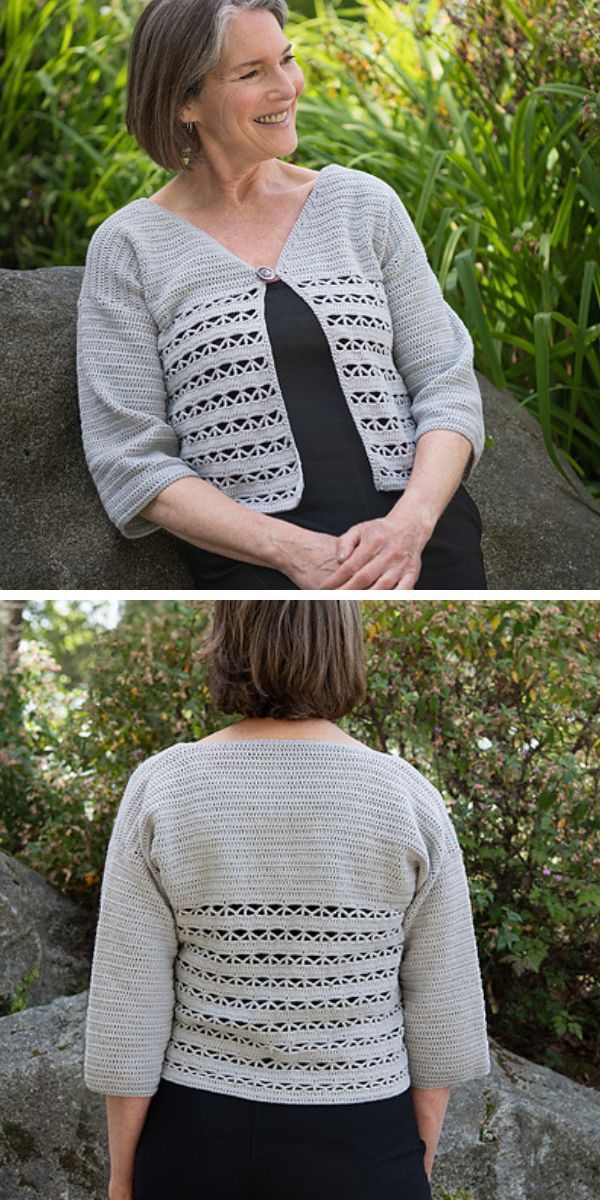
<point>213,1082</point>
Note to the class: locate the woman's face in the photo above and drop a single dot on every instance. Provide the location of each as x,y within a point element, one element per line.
<point>239,91</point>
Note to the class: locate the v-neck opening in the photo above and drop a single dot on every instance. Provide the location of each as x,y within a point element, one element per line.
<point>229,253</point>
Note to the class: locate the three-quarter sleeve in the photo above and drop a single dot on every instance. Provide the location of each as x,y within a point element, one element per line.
<point>132,990</point>
<point>131,450</point>
<point>439,975</point>
<point>432,349</point>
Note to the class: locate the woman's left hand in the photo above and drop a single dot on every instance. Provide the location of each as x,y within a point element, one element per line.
<point>383,553</point>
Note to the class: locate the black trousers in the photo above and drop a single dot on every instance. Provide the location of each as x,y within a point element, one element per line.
<point>452,558</point>
<point>201,1145</point>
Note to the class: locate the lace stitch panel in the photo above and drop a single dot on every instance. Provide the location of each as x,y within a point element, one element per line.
<point>365,362</point>
<point>294,991</point>
<point>223,398</point>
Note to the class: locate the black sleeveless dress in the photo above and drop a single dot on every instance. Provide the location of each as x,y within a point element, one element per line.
<point>338,482</point>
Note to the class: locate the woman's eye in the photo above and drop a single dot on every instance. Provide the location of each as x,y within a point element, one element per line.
<point>287,58</point>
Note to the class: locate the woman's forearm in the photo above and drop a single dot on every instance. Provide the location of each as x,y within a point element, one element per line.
<point>201,514</point>
<point>125,1117</point>
<point>441,457</point>
<point>430,1106</point>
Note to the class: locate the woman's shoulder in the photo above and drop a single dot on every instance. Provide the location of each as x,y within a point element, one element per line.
<point>120,229</point>
<point>117,255</point>
<point>362,201</point>
<point>363,182</point>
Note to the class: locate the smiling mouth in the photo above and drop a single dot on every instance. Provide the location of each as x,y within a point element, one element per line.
<point>281,121</point>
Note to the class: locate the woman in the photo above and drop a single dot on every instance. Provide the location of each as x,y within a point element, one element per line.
<point>267,367</point>
<point>285,983</point>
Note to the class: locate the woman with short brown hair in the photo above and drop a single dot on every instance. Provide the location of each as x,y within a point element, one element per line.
<point>285,983</point>
<point>267,367</point>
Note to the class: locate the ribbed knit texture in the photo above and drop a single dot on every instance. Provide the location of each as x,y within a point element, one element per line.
<point>283,920</point>
<point>176,372</point>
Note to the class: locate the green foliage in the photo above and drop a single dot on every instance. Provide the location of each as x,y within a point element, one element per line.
<point>495,701</point>
<point>513,48</point>
<point>67,631</point>
<point>483,117</point>
<point>504,189</point>
<point>145,690</point>
<point>459,1195</point>
<point>24,790</point>
<point>18,1002</point>
<point>498,703</point>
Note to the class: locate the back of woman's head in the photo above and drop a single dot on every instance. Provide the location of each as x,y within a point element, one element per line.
<point>286,658</point>
<point>175,45</point>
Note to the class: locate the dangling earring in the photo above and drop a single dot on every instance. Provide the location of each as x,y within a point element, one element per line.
<point>189,126</point>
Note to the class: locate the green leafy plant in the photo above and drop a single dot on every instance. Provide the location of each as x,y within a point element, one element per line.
<point>503,187</point>
<point>18,1002</point>
<point>459,1195</point>
<point>497,702</point>
<point>25,794</point>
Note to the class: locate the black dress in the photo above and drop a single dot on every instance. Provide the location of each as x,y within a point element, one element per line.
<point>338,482</point>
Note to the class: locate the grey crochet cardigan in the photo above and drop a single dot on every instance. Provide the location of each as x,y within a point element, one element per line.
<point>176,373</point>
<point>283,920</point>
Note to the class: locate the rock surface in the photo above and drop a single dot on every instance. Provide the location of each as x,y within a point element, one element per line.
<point>536,532</point>
<point>52,1129</point>
<point>40,929</point>
<point>522,1133</point>
<point>55,533</point>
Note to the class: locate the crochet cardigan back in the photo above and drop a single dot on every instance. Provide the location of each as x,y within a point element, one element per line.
<point>176,373</point>
<point>283,920</point>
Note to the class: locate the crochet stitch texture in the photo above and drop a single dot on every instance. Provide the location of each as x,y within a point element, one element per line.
<point>283,920</point>
<point>176,373</point>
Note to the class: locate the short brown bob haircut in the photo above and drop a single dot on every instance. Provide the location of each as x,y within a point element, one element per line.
<point>175,45</point>
<point>290,659</point>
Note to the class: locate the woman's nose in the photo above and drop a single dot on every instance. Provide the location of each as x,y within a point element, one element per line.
<point>290,88</point>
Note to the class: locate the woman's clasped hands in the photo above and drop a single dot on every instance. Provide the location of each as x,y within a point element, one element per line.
<point>384,553</point>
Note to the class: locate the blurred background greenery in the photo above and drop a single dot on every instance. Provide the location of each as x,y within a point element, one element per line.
<point>483,115</point>
<point>496,701</point>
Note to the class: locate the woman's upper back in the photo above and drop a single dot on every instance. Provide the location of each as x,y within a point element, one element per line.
<point>285,816</point>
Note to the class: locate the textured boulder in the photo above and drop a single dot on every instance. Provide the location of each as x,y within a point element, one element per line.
<point>537,533</point>
<point>55,533</point>
<point>522,1133</point>
<point>40,929</point>
<point>52,1129</point>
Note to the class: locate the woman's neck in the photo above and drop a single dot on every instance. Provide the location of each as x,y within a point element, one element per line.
<point>271,727</point>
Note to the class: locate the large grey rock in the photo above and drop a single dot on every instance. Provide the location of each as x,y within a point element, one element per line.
<point>55,533</point>
<point>52,1129</point>
<point>43,930</point>
<point>537,533</point>
<point>522,1133</point>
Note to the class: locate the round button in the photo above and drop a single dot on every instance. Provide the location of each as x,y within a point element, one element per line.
<point>266,273</point>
